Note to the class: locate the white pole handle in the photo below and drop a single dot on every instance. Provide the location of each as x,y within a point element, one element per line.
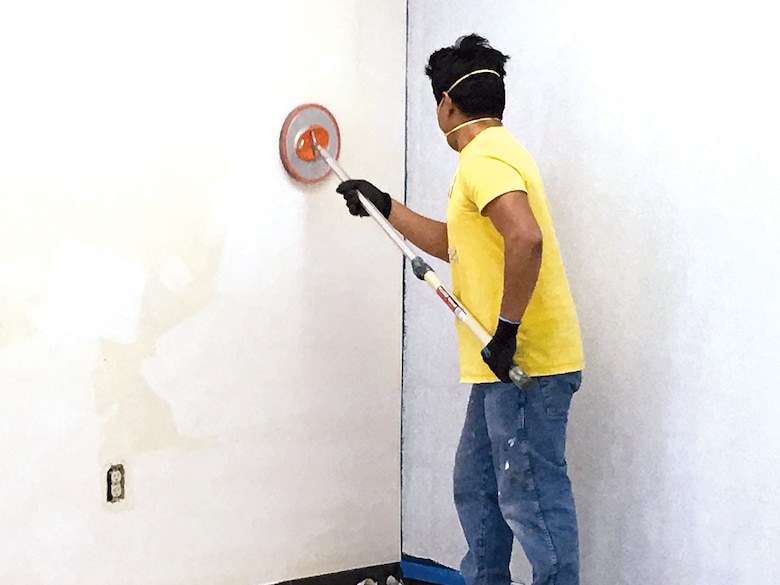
<point>423,271</point>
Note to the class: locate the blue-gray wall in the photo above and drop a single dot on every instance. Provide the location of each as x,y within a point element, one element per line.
<point>655,128</point>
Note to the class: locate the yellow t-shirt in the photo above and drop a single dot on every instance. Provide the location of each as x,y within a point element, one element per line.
<point>548,341</point>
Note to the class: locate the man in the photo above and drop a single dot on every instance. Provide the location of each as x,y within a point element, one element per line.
<point>510,477</point>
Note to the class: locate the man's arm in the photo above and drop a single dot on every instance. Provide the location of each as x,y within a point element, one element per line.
<point>427,234</point>
<point>511,214</point>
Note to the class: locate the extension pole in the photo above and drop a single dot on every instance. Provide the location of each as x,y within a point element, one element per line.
<point>423,271</point>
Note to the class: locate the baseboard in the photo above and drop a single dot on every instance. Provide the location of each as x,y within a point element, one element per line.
<point>427,571</point>
<point>378,573</point>
<point>411,570</point>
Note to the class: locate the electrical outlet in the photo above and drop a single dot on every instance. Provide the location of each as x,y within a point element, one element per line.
<point>115,483</point>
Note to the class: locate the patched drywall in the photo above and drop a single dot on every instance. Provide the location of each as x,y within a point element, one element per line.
<point>172,301</point>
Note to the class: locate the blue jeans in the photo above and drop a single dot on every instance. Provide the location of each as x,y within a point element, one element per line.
<point>511,481</point>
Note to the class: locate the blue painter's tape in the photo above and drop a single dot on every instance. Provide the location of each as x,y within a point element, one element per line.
<point>429,572</point>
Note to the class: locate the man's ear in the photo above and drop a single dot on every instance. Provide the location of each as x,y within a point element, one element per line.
<point>448,105</point>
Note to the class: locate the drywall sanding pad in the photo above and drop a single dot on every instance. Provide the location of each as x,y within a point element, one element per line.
<point>296,147</point>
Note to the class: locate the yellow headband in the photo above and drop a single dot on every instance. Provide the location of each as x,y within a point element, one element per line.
<point>496,73</point>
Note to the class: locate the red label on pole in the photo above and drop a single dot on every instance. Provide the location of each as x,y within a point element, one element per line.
<point>445,296</point>
<point>453,305</point>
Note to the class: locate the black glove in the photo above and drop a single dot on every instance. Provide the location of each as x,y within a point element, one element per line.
<point>499,352</point>
<point>349,189</point>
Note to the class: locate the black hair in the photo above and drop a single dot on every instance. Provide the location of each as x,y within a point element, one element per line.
<point>478,95</point>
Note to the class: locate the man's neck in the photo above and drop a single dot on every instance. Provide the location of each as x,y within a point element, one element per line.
<point>469,131</point>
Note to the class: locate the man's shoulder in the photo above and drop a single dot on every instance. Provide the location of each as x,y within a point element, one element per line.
<point>495,143</point>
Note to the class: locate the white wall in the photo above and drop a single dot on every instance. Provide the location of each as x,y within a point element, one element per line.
<point>655,126</point>
<point>172,300</point>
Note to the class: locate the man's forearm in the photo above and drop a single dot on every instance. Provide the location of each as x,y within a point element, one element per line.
<point>427,234</point>
<point>522,261</point>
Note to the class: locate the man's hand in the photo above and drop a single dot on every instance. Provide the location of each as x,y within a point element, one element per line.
<point>349,189</point>
<point>499,352</point>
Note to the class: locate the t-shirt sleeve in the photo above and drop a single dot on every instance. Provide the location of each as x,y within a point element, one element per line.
<point>487,177</point>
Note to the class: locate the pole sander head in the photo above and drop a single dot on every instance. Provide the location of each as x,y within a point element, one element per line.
<point>296,147</point>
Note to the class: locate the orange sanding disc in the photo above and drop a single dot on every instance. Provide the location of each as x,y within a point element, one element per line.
<point>299,156</point>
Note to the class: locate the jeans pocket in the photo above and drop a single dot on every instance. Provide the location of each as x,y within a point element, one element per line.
<point>557,391</point>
